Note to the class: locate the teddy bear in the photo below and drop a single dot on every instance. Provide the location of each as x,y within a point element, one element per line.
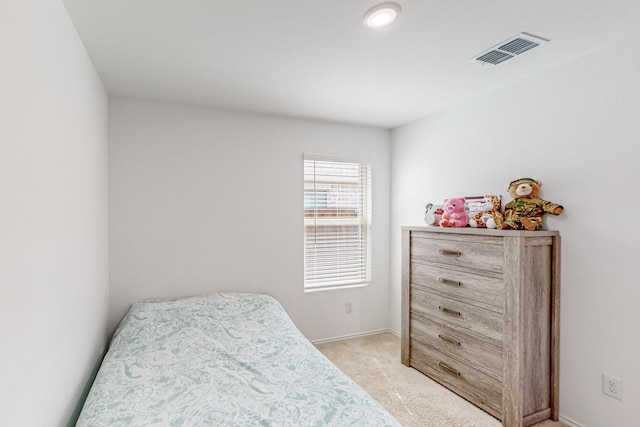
<point>454,214</point>
<point>433,214</point>
<point>525,211</point>
<point>486,213</point>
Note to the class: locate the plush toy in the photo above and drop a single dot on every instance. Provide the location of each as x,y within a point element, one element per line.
<point>526,209</point>
<point>433,214</point>
<point>486,213</point>
<point>454,214</point>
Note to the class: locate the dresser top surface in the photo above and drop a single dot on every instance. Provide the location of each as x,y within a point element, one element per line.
<point>482,231</point>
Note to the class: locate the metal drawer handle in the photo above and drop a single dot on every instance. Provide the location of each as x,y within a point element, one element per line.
<point>449,369</point>
<point>451,253</point>
<point>449,281</point>
<point>449,311</point>
<point>449,340</point>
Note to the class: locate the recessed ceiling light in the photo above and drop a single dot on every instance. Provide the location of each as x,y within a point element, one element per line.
<point>381,15</point>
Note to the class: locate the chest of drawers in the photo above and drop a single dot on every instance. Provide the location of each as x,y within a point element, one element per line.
<point>480,315</point>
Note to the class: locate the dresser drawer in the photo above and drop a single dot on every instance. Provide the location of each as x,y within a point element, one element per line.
<point>479,388</point>
<point>481,253</point>
<point>475,352</point>
<point>478,321</point>
<point>485,289</point>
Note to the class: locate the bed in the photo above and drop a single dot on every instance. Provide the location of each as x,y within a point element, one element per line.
<point>225,359</point>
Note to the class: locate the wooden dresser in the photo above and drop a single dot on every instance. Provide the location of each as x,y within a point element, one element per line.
<point>480,315</point>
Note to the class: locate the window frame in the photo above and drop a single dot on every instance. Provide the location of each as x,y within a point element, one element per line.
<point>339,221</point>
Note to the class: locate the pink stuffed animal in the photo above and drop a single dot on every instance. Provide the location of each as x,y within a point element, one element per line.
<point>454,213</point>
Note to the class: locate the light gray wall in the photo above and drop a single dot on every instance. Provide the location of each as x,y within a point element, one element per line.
<point>577,129</point>
<point>53,215</point>
<point>204,201</point>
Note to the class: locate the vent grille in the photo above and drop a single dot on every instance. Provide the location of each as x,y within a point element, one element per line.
<point>509,48</point>
<point>518,46</point>
<point>494,57</point>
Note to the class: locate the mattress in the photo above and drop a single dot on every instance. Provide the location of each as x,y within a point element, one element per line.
<point>225,359</point>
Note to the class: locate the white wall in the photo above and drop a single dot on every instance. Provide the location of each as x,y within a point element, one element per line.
<point>204,201</point>
<point>53,215</point>
<point>577,129</point>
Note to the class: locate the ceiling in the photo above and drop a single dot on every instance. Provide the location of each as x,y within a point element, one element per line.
<point>315,59</point>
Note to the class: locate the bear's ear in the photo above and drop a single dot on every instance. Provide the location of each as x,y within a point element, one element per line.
<point>463,199</point>
<point>539,184</point>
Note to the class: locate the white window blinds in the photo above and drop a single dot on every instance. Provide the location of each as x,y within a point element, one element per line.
<point>337,221</point>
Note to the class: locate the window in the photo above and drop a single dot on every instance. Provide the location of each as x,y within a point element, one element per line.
<point>337,222</point>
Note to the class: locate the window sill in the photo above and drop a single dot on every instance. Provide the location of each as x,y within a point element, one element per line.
<point>336,287</point>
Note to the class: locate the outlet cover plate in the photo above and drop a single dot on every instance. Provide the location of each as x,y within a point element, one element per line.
<point>348,307</point>
<point>612,386</point>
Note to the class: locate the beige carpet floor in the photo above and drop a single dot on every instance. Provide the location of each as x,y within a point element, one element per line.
<point>415,400</point>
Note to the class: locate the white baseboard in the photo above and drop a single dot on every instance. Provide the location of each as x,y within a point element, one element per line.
<point>569,422</point>
<point>358,335</point>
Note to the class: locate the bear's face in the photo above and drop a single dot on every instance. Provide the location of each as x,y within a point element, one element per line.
<point>524,188</point>
<point>489,203</point>
<point>454,205</point>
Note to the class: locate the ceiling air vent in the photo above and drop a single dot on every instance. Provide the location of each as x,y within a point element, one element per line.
<point>509,48</point>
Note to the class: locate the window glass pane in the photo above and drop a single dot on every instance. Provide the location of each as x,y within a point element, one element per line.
<point>315,199</point>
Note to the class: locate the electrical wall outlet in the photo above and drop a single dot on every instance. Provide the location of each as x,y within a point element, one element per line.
<point>348,307</point>
<point>612,386</point>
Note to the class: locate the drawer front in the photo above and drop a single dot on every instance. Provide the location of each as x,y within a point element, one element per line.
<point>480,254</point>
<point>469,318</point>
<point>459,284</point>
<point>466,381</point>
<point>475,352</point>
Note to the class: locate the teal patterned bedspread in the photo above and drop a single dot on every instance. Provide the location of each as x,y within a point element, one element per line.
<point>226,359</point>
